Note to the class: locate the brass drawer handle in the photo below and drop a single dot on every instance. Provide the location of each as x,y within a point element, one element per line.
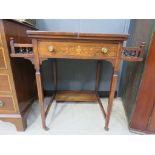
<point>50,48</point>
<point>104,50</point>
<point>1,104</point>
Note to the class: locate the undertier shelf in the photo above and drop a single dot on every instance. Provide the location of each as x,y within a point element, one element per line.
<point>76,96</point>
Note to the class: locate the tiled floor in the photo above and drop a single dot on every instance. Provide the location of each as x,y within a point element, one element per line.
<point>73,118</point>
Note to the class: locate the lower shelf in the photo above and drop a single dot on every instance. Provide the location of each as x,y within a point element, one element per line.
<point>75,96</point>
<point>102,94</point>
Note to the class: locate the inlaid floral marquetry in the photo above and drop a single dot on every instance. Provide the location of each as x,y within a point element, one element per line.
<point>92,50</point>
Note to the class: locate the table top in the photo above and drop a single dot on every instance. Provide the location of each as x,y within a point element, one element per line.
<point>75,35</point>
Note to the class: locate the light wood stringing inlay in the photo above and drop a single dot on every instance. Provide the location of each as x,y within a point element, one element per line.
<point>2,59</point>
<point>5,85</point>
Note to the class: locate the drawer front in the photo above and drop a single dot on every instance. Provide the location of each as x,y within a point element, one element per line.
<point>77,50</point>
<point>2,59</point>
<point>5,85</point>
<point>6,104</point>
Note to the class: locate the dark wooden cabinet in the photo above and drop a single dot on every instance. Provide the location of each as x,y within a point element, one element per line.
<point>139,88</point>
<point>143,118</point>
<point>16,76</point>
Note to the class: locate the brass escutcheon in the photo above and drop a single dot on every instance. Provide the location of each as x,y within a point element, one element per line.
<point>50,48</point>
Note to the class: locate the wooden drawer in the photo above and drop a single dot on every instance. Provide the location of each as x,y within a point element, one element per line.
<point>2,59</point>
<point>77,50</point>
<point>5,85</point>
<point>6,104</point>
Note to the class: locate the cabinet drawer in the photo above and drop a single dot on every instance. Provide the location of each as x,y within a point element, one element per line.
<point>77,50</point>
<point>5,83</point>
<point>6,104</point>
<point>2,59</point>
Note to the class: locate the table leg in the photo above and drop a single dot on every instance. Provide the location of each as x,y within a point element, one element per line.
<point>54,70</point>
<point>41,99</point>
<point>111,97</point>
<point>98,75</point>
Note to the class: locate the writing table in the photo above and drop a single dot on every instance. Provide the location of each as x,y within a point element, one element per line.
<point>84,46</point>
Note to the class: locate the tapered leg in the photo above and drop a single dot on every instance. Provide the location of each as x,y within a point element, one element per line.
<point>98,75</point>
<point>41,99</point>
<point>111,97</point>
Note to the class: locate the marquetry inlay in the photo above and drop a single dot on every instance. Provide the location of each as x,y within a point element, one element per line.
<point>76,49</point>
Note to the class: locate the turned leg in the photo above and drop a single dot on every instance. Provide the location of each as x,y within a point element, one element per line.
<point>41,99</point>
<point>111,97</point>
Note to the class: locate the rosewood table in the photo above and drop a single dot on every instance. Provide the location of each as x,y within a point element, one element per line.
<point>84,46</point>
